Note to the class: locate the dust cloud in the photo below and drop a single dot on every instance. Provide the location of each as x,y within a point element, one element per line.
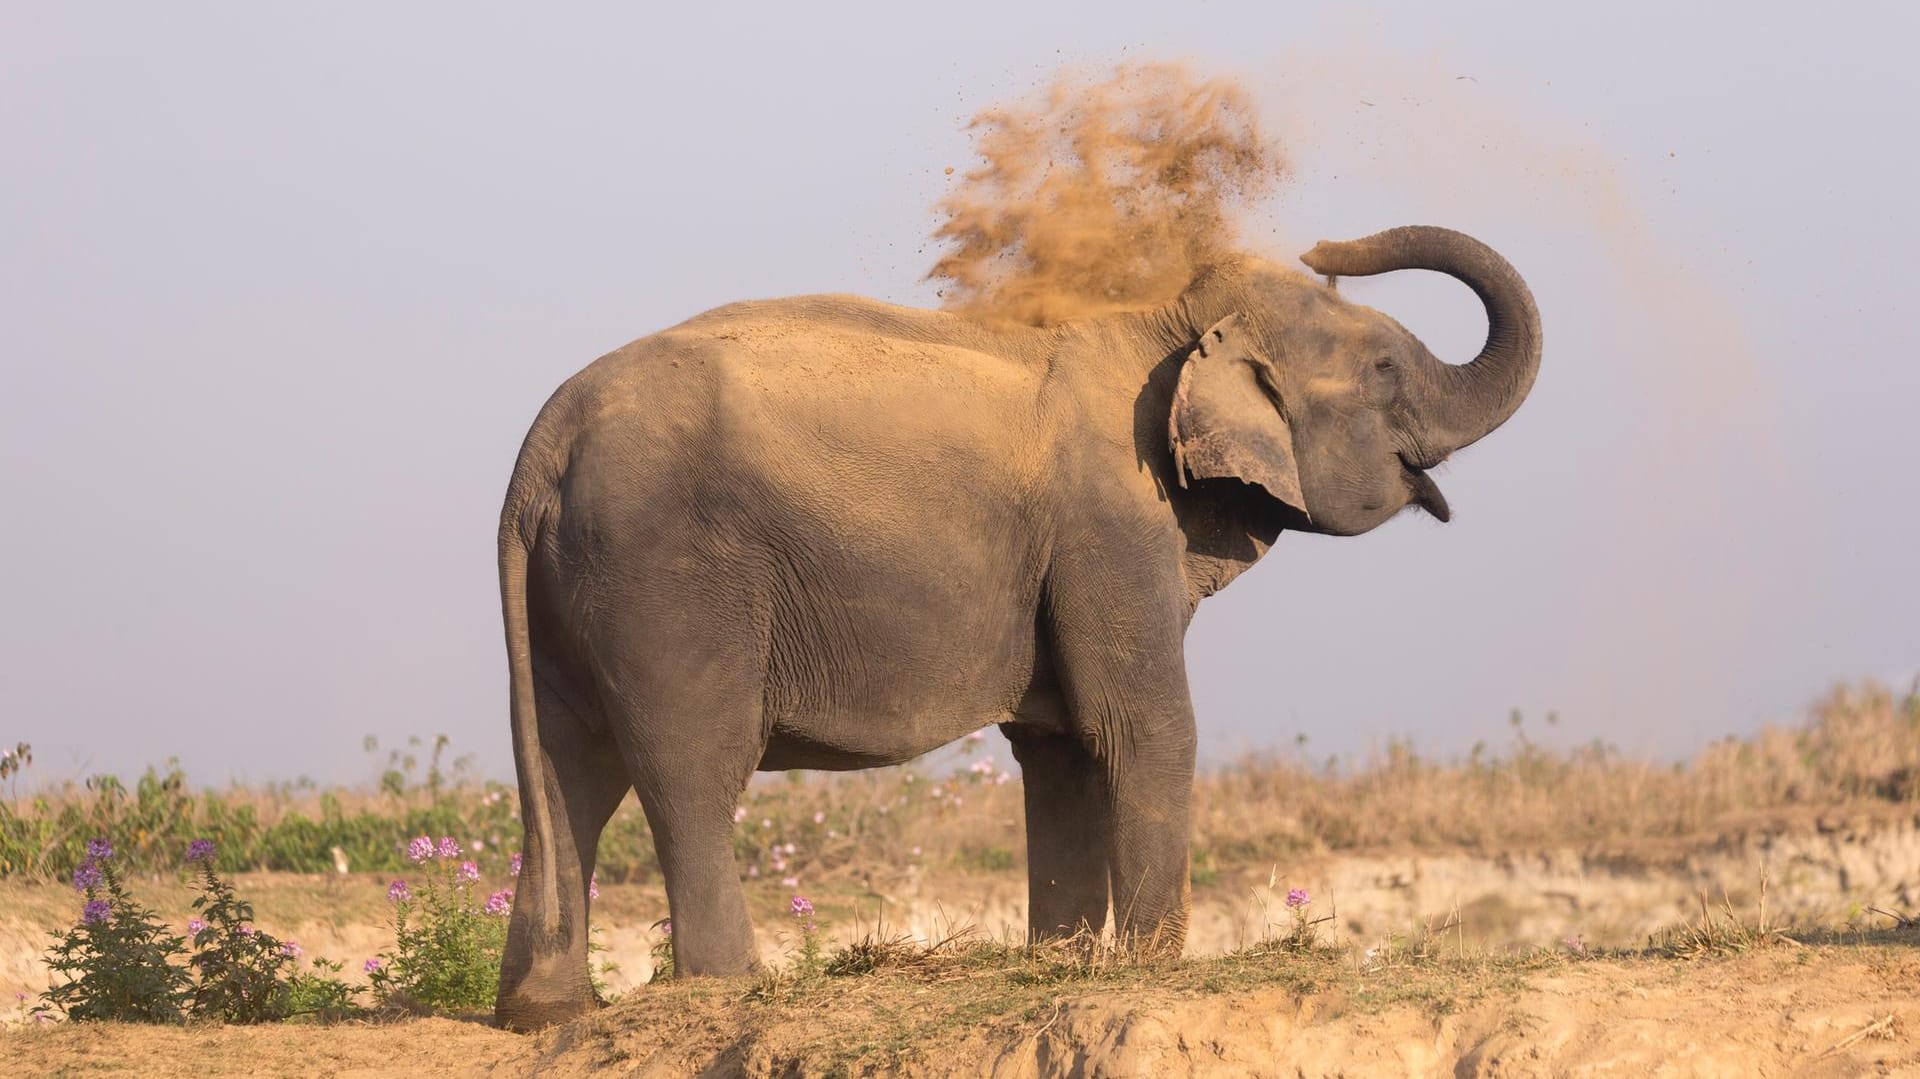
<point>1103,195</point>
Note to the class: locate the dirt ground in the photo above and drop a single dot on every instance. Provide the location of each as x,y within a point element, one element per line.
<point>1820,1010</point>
<point>1515,963</point>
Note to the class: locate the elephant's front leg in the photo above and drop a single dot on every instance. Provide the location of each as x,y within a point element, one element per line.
<point>1152,828</point>
<point>1118,640</point>
<point>1069,834</point>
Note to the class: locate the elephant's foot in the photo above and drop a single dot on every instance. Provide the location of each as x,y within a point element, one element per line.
<point>543,989</point>
<point>524,1011</point>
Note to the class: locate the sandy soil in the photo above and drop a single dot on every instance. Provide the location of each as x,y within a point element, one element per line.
<point>1823,1011</point>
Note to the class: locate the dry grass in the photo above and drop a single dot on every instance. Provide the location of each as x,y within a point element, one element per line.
<point>1857,753</point>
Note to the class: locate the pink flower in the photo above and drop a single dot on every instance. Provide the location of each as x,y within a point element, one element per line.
<point>513,863</point>
<point>500,902</point>
<point>448,848</point>
<point>819,818</point>
<point>1297,898</point>
<point>593,886</point>
<point>801,907</point>
<point>95,912</point>
<point>289,949</point>
<point>790,882</point>
<point>194,927</point>
<point>739,815</point>
<point>372,965</point>
<point>467,873</point>
<point>398,892</point>
<point>419,849</point>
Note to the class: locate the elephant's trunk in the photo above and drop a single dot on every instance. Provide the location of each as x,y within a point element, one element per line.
<point>1460,404</point>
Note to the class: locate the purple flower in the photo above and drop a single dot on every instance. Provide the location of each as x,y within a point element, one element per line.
<point>99,849</point>
<point>468,873</point>
<point>419,849</point>
<point>666,928</point>
<point>289,949</point>
<point>195,927</point>
<point>398,892</point>
<point>85,877</point>
<point>513,863</point>
<point>1297,898</point>
<point>95,912</point>
<point>593,885</point>
<point>801,907</point>
<point>200,850</point>
<point>246,931</point>
<point>372,966</point>
<point>500,902</point>
<point>448,848</point>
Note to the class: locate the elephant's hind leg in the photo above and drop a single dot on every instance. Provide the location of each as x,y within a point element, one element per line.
<point>691,729</point>
<point>544,977</point>
<point>689,798</point>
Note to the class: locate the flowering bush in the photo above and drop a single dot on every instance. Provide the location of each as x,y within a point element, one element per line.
<point>448,942</point>
<point>116,962</point>
<point>243,972</point>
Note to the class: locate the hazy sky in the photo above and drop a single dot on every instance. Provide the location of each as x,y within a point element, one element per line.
<point>282,291</point>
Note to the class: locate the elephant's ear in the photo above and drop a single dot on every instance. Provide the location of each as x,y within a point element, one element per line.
<point>1226,419</point>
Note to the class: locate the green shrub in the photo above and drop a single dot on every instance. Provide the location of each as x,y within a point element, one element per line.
<point>320,993</point>
<point>448,943</point>
<point>242,969</point>
<point>117,961</point>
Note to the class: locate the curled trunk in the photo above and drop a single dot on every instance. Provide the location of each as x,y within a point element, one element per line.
<point>1459,404</point>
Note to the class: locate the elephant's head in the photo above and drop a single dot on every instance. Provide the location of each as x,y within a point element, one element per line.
<point>1335,409</point>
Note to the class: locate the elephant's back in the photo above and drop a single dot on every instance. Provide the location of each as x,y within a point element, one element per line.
<point>882,487</point>
<point>855,386</point>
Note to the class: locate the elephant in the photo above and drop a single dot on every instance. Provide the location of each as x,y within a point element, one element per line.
<point>827,532</point>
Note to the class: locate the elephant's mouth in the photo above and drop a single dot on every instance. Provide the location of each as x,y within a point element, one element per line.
<point>1426,494</point>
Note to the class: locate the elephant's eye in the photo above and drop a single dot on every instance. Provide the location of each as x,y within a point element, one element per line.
<point>1384,363</point>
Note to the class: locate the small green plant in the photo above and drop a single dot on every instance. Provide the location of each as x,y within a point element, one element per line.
<point>243,971</point>
<point>801,910</point>
<point>117,961</point>
<point>448,944</point>
<point>662,951</point>
<point>1204,873</point>
<point>320,993</point>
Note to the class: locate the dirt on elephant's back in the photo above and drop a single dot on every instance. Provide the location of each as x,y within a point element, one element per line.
<point>1801,1010</point>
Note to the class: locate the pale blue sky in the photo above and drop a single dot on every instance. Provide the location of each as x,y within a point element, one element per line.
<point>281,292</point>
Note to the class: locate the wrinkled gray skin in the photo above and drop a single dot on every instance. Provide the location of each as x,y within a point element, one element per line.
<point>831,533</point>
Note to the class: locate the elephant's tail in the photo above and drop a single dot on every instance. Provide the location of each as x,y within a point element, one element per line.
<point>527,757</point>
